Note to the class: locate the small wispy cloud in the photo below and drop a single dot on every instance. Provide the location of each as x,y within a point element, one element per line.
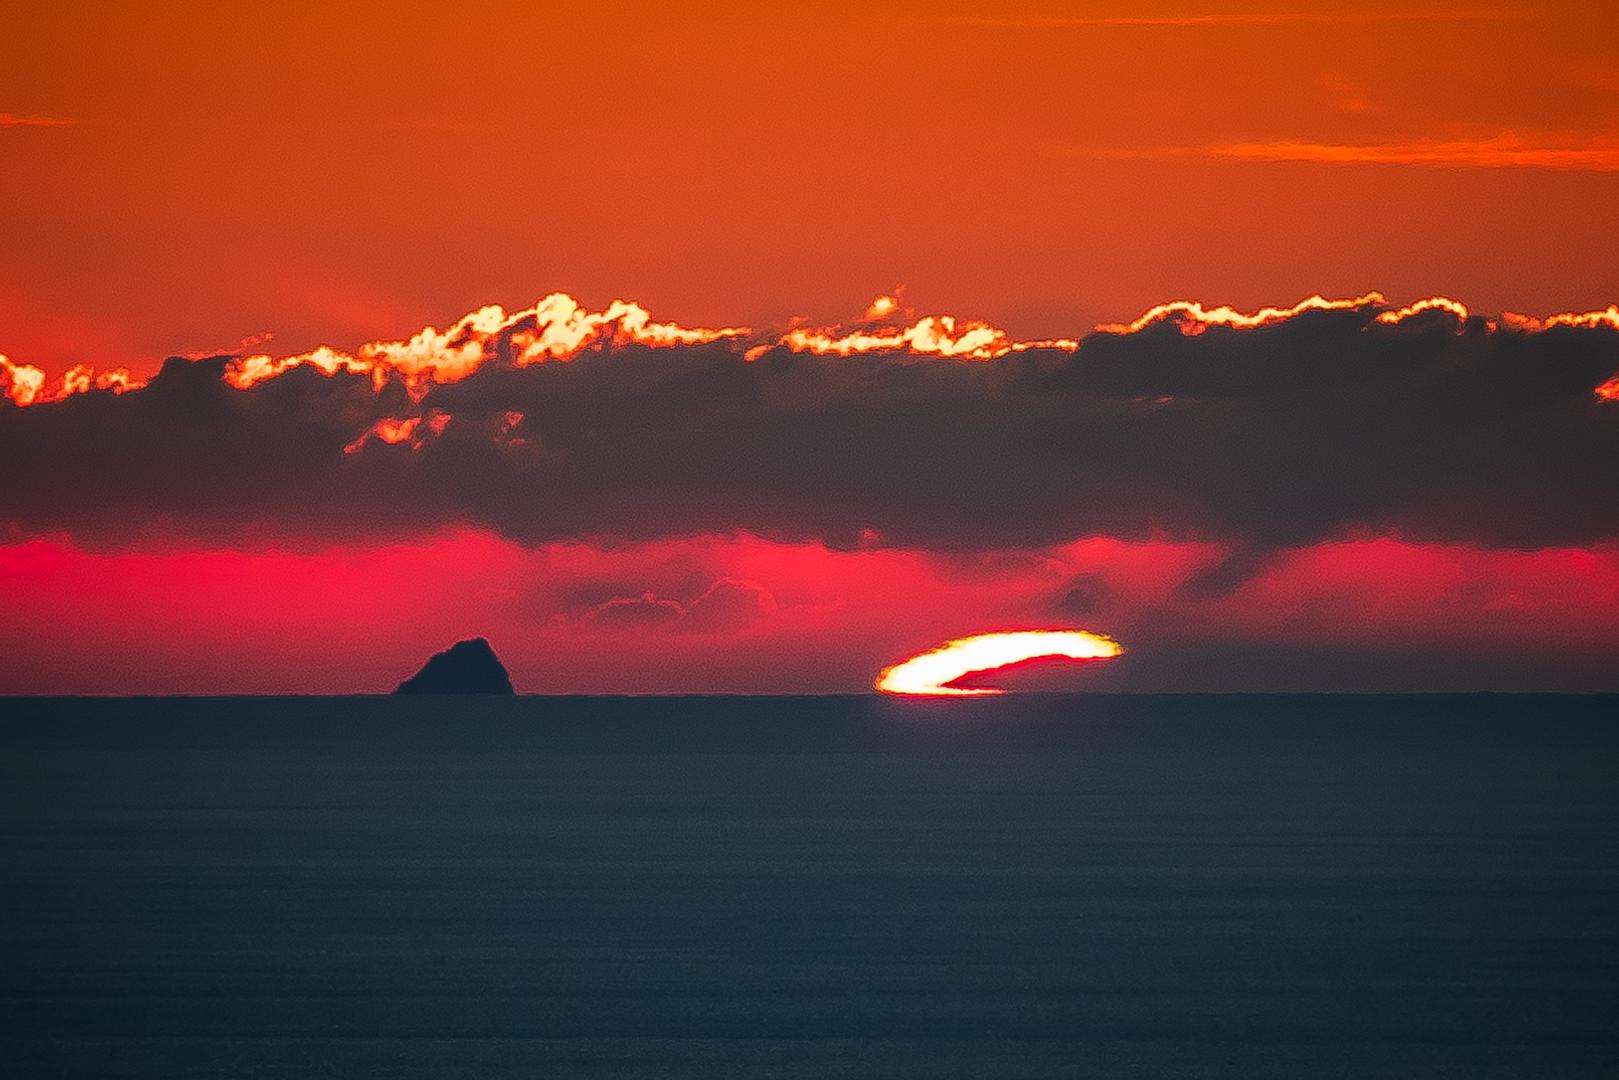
<point>1509,151</point>
<point>11,120</point>
<point>1036,21</point>
<point>1346,96</point>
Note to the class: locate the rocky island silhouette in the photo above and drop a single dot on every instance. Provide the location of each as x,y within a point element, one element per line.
<point>467,667</point>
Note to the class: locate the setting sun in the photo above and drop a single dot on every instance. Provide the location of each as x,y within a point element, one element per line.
<point>934,671</point>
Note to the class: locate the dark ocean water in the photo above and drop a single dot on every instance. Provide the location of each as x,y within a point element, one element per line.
<point>1034,886</point>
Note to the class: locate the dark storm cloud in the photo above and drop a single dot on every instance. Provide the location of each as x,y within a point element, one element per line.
<point>1322,425</point>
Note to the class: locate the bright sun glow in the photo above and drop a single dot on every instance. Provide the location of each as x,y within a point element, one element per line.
<point>934,671</point>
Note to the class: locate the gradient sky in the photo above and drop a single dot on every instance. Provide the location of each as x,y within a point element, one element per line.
<point>342,172</point>
<point>180,182</point>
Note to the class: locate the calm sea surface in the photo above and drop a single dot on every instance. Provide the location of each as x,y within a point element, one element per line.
<point>1035,886</point>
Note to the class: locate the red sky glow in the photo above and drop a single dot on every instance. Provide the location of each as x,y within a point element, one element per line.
<point>783,617</point>
<point>759,349</point>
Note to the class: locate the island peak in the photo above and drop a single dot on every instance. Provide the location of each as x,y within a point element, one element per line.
<point>467,667</point>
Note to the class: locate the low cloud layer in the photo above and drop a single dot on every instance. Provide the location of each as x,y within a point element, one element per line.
<point>1332,422</point>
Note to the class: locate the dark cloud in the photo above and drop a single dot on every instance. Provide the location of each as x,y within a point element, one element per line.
<point>1084,595</point>
<point>1324,425</point>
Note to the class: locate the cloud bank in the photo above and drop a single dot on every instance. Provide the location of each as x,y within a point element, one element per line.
<point>1262,432</point>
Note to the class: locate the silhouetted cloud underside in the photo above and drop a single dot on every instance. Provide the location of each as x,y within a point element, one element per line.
<point>1322,425</point>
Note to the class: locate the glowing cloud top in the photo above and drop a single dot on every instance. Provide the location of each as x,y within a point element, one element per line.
<point>933,672</point>
<point>558,327</point>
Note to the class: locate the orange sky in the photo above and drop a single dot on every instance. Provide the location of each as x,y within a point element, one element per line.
<point>343,172</point>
